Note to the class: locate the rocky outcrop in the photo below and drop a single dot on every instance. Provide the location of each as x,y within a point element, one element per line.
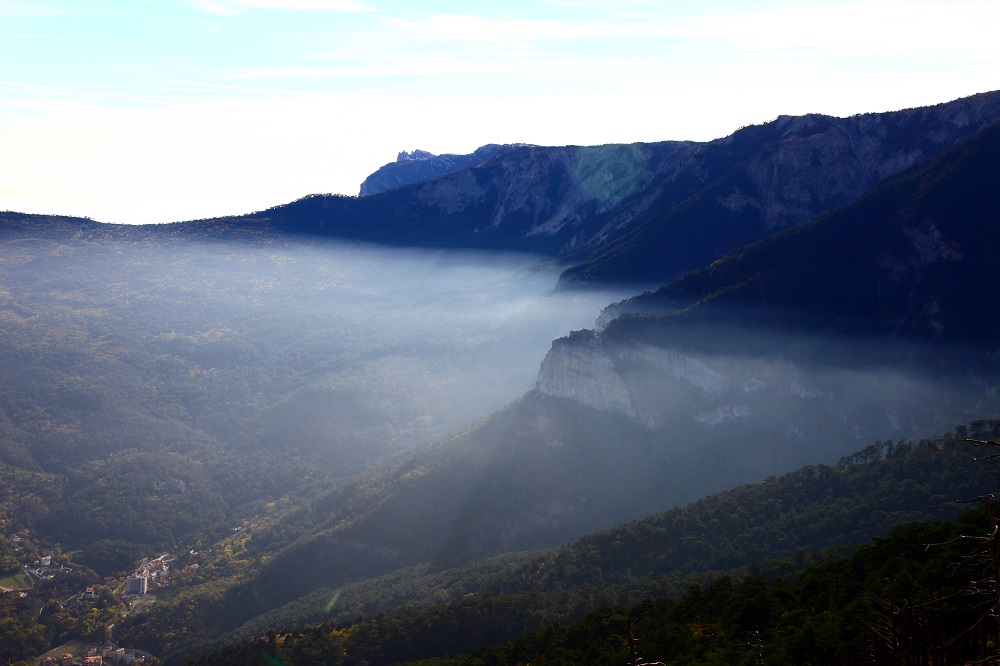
<point>538,194</point>
<point>765,178</point>
<point>674,365</point>
<point>421,166</point>
<point>584,369</point>
<point>578,368</point>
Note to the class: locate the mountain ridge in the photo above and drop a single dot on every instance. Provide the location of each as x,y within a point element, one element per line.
<point>620,213</point>
<point>932,227</point>
<point>639,214</point>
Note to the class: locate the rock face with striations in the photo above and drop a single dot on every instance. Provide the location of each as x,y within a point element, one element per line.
<point>588,370</point>
<point>764,178</point>
<point>896,280</point>
<point>647,213</point>
<point>577,367</point>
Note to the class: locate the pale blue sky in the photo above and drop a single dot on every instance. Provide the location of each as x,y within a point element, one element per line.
<point>162,110</point>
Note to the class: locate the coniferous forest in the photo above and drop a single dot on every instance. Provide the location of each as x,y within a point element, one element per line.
<point>923,593</point>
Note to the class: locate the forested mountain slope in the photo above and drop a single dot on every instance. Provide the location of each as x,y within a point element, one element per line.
<point>751,529</point>
<point>250,369</point>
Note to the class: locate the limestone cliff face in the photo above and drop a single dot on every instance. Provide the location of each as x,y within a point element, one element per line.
<point>762,179</point>
<point>643,213</point>
<point>818,162</point>
<point>577,367</point>
<point>674,365</point>
<point>583,368</point>
<point>536,192</point>
<point>670,391</point>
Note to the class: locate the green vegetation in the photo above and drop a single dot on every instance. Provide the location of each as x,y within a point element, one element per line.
<point>17,580</point>
<point>894,601</point>
<point>772,529</point>
<point>29,626</point>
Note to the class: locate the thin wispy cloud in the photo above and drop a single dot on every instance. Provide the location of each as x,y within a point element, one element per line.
<point>599,4</point>
<point>466,28</point>
<point>233,7</point>
<point>917,29</point>
<point>23,8</point>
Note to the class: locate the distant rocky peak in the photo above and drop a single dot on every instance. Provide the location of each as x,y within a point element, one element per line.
<point>421,166</point>
<point>415,155</point>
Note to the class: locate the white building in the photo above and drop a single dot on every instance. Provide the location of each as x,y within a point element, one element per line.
<point>137,584</point>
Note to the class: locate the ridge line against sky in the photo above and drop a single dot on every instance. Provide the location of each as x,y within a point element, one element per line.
<point>139,111</point>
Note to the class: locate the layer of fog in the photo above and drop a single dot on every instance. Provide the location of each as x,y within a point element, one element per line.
<point>415,344</point>
<point>739,402</point>
<point>343,352</point>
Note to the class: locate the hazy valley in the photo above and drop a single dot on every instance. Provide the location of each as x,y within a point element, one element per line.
<point>397,399</point>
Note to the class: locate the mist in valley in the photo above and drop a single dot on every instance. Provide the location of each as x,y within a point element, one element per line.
<point>316,360</point>
<point>339,353</point>
<point>742,393</point>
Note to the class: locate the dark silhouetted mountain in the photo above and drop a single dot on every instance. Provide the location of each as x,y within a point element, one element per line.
<point>910,261</point>
<point>526,198</point>
<point>766,178</point>
<point>644,213</point>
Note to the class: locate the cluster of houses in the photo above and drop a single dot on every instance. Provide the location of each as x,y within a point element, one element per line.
<point>93,654</point>
<point>43,570</point>
<point>155,571</point>
<point>79,598</point>
<point>152,571</point>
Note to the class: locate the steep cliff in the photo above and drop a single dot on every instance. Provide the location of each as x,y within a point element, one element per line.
<point>582,368</point>
<point>642,213</point>
<point>895,281</point>
<point>577,367</point>
<point>765,178</point>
